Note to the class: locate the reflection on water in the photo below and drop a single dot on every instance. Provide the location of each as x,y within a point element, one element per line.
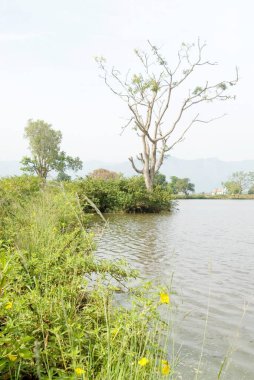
<point>209,246</point>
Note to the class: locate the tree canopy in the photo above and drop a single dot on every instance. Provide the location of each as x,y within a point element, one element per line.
<point>46,156</point>
<point>240,182</point>
<point>181,185</point>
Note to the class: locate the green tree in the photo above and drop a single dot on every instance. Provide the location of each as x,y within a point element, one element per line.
<point>181,185</point>
<point>160,179</point>
<point>151,96</point>
<point>233,187</point>
<point>239,182</point>
<point>173,184</point>
<point>251,183</point>
<point>251,190</point>
<point>46,156</point>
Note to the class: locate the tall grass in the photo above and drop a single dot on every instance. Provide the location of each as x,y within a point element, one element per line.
<point>58,314</point>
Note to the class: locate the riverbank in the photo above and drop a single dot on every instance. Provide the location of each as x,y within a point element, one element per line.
<point>209,196</point>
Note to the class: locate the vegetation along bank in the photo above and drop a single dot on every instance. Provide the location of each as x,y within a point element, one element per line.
<point>58,317</point>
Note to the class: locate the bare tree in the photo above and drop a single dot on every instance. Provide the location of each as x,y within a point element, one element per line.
<point>149,97</point>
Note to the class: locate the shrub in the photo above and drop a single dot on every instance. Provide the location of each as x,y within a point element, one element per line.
<point>106,195</point>
<point>13,191</point>
<point>19,187</point>
<point>138,199</point>
<point>122,194</point>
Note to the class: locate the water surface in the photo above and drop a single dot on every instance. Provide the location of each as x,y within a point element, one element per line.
<point>209,247</point>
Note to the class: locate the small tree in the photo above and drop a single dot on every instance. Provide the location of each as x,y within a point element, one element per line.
<point>239,182</point>
<point>233,187</point>
<point>181,185</point>
<point>46,156</point>
<point>149,97</point>
<point>251,190</point>
<point>160,179</point>
<point>185,186</point>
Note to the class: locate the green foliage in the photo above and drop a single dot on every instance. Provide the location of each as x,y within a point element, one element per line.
<point>160,179</point>
<point>251,190</point>
<point>138,199</point>
<point>13,191</point>
<point>198,90</point>
<point>240,182</point>
<point>44,144</point>
<point>106,195</point>
<point>233,187</point>
<point>139,85</point>
<point>181,185</point>
<point>57,315</point>
<point>64,163</point>
<point>122,194</point>
<point>222,86</point>
<point>19,187</point>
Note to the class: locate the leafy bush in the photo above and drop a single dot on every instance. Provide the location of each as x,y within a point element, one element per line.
<point>138,199</point>
<point>123,194</point>
<point>19,187</point>
<point>15,191</point>
<point>106,195</point>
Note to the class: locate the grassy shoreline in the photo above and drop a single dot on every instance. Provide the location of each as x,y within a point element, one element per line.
<point>208,196</point>
<point>58,318</point>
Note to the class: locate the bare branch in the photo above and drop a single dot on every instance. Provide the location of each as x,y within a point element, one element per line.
<point>195,120</point>
<point>134,166</point>
<point>126,125</point>
<point>140,157</point>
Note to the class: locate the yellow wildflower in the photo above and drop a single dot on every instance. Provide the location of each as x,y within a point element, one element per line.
<point>165,369</point>
<point>143,362</point>
<point>164,298</point>
<point>8,305</point>
<point>12,358</point>
<point>79,371</point>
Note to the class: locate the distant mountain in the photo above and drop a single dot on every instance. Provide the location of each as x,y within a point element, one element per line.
<point>206,174</point>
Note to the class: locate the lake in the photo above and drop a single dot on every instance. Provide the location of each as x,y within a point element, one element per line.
<point>208,246</point>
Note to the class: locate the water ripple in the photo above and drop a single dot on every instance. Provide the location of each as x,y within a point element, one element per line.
<point>208,245</point>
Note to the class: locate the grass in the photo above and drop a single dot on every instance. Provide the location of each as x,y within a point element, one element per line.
<point>58,314</point>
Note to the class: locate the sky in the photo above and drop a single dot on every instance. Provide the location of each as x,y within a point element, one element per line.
<point>48,71</point>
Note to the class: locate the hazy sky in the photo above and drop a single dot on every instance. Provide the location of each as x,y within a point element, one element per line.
<point>47,71</point>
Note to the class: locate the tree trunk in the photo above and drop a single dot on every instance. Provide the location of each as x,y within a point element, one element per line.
<point>147,172</point>
<point>148,176</point>
<point>148,182</point>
